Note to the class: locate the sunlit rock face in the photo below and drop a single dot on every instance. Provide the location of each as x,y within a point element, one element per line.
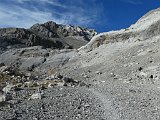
<point>146,27</point>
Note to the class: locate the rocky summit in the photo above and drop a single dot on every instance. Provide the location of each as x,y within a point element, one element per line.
<point>49,34</point>
<point>60,72</point>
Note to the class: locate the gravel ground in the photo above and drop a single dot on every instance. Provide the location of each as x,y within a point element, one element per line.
<point>60,103</point>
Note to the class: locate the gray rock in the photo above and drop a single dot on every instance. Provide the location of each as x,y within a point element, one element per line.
<point>60,84</point>
<point>8,88</point>
<point>3,68</point>
<point>2,64</point>
<point>98,72</point>
<point>36,96</point>
<point>51,29</point>
<point>2,97</point>
<point>5,97</point>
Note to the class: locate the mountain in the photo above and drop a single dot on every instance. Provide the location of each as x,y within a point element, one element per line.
<point>48,34</point>
<point>53,30</point>
<point>115,76</point>
<point>146,27</point>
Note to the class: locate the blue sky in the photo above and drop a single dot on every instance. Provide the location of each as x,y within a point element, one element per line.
<point>102,15</point>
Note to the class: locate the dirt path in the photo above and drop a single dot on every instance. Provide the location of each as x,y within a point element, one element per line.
<point>110,112</point>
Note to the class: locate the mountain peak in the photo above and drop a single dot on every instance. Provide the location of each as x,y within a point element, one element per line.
<point>49,34</point>
<point>147,20</point>
<point>52,29</point>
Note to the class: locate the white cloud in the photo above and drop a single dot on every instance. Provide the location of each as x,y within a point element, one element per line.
<point>24,18</point>
<point>20,1</point>
<point>25,13</point>
<point>52,2</point>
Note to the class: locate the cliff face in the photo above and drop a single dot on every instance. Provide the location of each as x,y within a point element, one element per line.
<point>48,34</point>
<point>51,30</point>
<point>24,37</point>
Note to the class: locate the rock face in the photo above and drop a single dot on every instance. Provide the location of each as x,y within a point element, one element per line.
<point>23,38</point>
<point>48,34</point>
<point>52,30</point>
<point>146,27</point>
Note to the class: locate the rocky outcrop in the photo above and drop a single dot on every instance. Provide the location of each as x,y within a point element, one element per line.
<point>51,30</point>
<point>49,35</point>
<point>23,37</point>
<point>146,27</point>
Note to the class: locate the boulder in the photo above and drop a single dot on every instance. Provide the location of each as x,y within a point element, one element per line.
<point>36,96</point>
<point>8,88</point>
<point>2,98</point>
<point>5,97</point>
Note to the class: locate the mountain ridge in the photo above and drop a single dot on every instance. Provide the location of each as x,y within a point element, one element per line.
<point>48,34</point>
<point>146,27</point>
